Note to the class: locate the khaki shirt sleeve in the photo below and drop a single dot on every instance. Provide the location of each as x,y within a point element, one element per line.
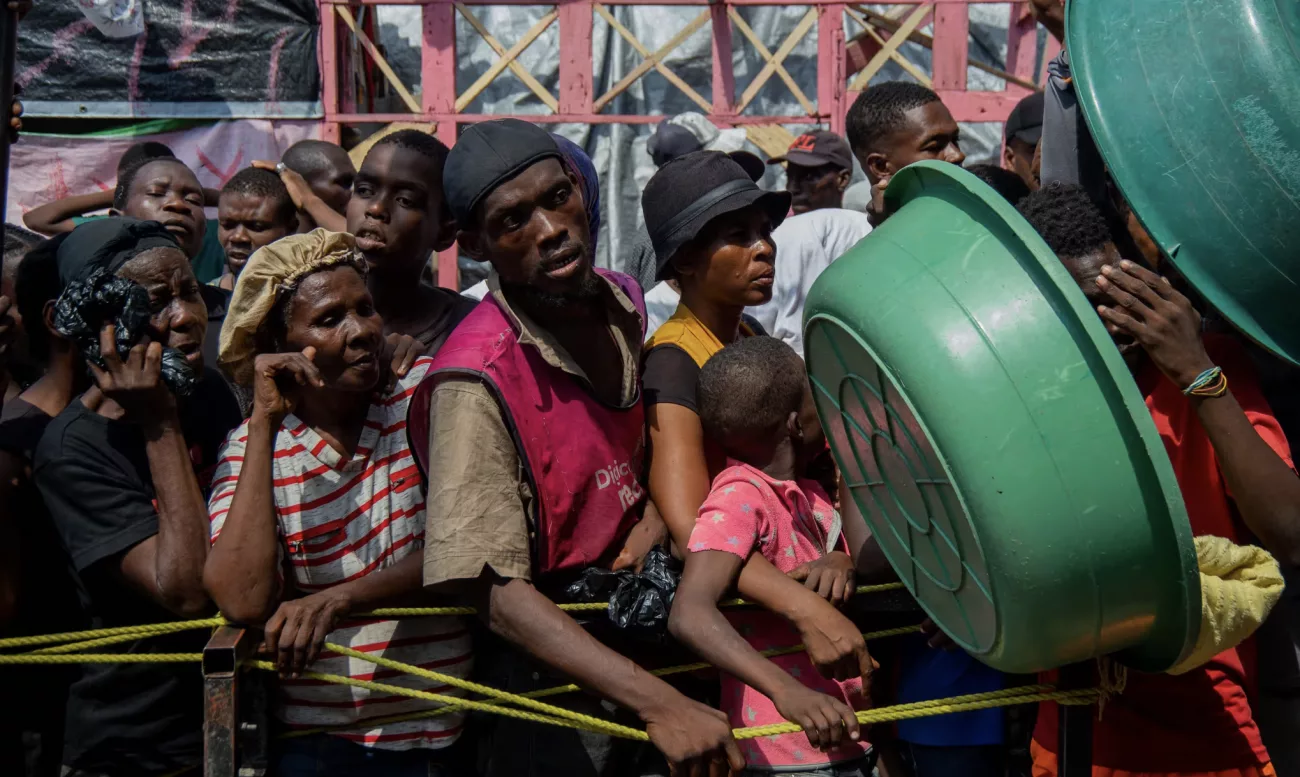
<point>476,508</point>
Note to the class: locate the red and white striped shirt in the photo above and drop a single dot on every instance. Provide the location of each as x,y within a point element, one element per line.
<point>339,520</point>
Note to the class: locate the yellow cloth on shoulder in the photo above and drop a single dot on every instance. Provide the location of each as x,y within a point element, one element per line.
<point>1239,586</point>
<point>690,334</point>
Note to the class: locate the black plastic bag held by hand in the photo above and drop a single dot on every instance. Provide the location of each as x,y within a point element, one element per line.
<point>86,306</point>
<point>638,602</point>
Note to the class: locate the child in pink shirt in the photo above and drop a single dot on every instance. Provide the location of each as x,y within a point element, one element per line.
<point>749,395</point>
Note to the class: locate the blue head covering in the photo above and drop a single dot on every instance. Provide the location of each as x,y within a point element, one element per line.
<point>577,160</point>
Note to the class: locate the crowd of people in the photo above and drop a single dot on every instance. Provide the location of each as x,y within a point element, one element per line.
<point>353,437</point>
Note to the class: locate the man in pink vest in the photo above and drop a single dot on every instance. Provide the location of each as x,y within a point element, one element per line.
<point>531,433</point>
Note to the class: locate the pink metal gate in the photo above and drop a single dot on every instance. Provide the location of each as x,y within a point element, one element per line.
<point>843,66</point>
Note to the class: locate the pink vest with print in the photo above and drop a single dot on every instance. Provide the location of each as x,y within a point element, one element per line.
<point>583,457</point>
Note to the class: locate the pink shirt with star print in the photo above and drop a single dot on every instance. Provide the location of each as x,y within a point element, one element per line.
<point>790,523</point>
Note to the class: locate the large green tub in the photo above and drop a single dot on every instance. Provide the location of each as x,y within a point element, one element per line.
<point>994,440</point>
<point>1195,107</point>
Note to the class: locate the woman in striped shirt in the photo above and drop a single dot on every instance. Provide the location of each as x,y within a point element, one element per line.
<point>317,515</point>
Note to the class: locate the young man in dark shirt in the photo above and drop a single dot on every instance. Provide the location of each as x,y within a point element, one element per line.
<point>59,216</point>
<point>36,591</point>
<point>400,219</point>
<point>125,485</point>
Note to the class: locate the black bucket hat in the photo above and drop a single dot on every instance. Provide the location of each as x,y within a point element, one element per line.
<point>692,190</point>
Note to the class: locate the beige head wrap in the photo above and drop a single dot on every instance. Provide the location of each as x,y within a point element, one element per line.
<point>269,271</point>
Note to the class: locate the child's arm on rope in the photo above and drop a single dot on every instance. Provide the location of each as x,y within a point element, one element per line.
<point>691,736</point>
<point>697,622</point>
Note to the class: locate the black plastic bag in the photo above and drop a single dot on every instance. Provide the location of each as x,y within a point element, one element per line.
<point>86,306</point>
<point>639,602</point>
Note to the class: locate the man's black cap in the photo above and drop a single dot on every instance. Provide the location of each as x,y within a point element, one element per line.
<point>817,148</point>
<point>1026,120</point>
<point>690,191</point>
<point>670,141</point>
<point>487,155</point>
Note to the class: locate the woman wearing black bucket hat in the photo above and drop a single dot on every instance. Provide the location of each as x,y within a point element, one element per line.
<point>712,231</point>
<point>711,227</point>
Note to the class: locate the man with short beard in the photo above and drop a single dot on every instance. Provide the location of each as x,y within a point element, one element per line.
<point>531,431</point>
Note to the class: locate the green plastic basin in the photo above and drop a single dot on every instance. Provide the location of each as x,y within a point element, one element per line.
<point>994,439</point>
<point>1195,107</point>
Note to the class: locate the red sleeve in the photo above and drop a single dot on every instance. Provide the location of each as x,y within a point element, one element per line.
<point>1242,381</point>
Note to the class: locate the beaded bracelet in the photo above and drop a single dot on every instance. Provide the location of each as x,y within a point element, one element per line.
<point>1209,384</point>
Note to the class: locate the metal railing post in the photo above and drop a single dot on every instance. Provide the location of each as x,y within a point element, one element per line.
<point>223,734</point>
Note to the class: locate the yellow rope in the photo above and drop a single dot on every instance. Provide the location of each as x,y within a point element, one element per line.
<point>76,647</point>
<point>979,701</point>
<point>103,658</point>
<point>563,689</point>
<point>143,630</point>
<point>540,712</point>
<point>466,685</point>
<point>154,629</point>
<point>572,719</point>
<point>398,612</point>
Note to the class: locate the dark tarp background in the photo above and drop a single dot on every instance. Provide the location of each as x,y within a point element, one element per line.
<point>196,59</point>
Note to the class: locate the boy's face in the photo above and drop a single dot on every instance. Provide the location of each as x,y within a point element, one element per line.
<point>534,230</point>
<point>396,211</point>
<point>928,132</point>
<point>813,188</point>
<point>1086,270</point>
<point>245,223</point>
<point>166,191</point>
<point>733,260</point>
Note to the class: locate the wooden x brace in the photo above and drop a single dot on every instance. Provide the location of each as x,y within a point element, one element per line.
<point>507,59</point>
<point>652,61</point>
<point>890,47</point>
<point>920,75</point>
<point>378,58</point>
<point>519,70</point>
<point>774,61</point>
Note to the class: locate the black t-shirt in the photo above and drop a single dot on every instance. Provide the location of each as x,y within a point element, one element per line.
<point>670,374</point>
<point>454,309</point>
<point>47,598</point>
<point>32,699</point>
<point>94,474</point>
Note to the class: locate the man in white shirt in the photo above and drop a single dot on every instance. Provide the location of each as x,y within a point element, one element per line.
<point>806,245</point>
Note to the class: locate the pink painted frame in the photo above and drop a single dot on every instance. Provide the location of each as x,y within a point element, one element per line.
<point>576,83</point>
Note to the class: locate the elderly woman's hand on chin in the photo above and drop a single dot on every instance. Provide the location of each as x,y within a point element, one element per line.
<point>277,378</point>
